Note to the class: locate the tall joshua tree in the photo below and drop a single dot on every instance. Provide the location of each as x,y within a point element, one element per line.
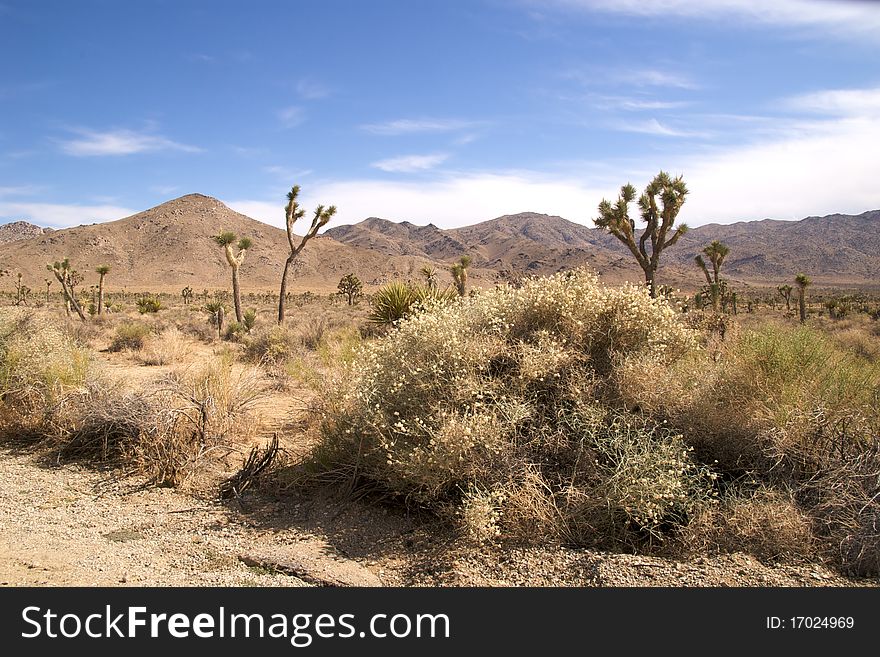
<point>66,275</point>
<point>226,239</point>
<point>460,273</point>
<point>293,212</point>
<point>659,221</point>
<point>802,282</point>
<point>716,252</point>
<point>102,271</point>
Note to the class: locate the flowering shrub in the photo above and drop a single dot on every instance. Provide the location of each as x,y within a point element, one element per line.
<point>471,404</point>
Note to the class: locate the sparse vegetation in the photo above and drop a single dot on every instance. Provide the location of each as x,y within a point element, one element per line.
<point>148,304</point>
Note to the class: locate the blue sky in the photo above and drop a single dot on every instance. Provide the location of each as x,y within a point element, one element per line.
<point>451,112</point>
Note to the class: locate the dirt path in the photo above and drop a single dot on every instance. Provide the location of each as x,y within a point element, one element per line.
<point>67,525</point>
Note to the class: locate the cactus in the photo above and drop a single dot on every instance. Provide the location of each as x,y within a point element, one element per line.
<point>351,286</point>
<point>69,278</point>
<point>460,273</point>
<point>292,213</point>
<point>802,282</point>
<point>226,239</point>
<point>659,221</point>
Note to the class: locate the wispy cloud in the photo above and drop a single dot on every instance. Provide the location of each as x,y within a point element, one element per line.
<point>19,190</point>
<point>836,17</point>
<point>92,143</point>
<point>411,163</point>
<point>838,102</point>
<point>658,78</point>
<point>630,104</point>
<point>287,173</point>
<point>415,126</point>
<point>654,127</point>
<point>164,190</point>
<point>311,90</point>
<point>201,57</point>
<point>61,216</point>
<point>292,116</point>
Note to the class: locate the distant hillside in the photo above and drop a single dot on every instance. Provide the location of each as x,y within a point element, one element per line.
<point>833,250</point>
<point>170,246</point>
<point>20,230</point>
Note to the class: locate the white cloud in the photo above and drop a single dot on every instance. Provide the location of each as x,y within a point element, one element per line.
<point>654,127</point>
<point>414,126</point>
<point>287,173</point>
<point>636,104</point>
<point>410,163</point>
<point>61,216</point>
<point>19,190</point>
<point>657,78</point>
<point>839,17</point>
<point>164,190</point>
<point>120,142</point>
<point>292,116</point>
<point>452,201</point>
<point>839,102</point>
<point>311,90</point>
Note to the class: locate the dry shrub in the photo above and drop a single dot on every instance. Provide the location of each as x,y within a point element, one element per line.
<point>766,523</point>
<point>39,361</point>
<point>489,407</point>
<point>130,336</point>
<point>861,342</point>
<point>169,346</point>
<point>272,346</point>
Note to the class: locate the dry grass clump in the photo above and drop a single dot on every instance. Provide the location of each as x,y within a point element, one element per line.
<point>763,522</point>
<point>791,408</point>
<point>130,336</point>
<point>38,363</point>
<point>488,407</point>
<point>272,346</point>
<point>169,346</point>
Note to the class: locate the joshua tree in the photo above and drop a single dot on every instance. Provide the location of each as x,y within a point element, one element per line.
<point>187,294</point>
<point>351,286</point>
<point>716,252</point>
<point>292,213</point>
<point>226,239</point>
<point>48,282</point>
<point>659,221</point>
<point>22,291</point>
<point>102,272</point>
<point>802,282</point>
<point>785,291</point>
<point>460,274</point>
<point>68,277</point>
<point>430,275</point>
<point>217,312</point>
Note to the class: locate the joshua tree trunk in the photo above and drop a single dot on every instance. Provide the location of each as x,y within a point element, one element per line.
<point>220,316</point>
<point>802,305</point>
<point>282,298</point>
<point>70,299</point>
<point>236,295</point>
<point>101,295</point>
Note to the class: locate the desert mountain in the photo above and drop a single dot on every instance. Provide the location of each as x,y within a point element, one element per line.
<point>20,230</point>
<point>833,250</point>
<point>170,246</point>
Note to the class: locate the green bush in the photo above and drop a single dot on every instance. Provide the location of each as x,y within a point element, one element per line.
<point>148,304</point>
<point>131,336</point>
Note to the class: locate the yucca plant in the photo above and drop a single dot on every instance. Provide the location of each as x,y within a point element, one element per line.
<point>802,282</point>
<point>397,300</point>
<point>226,239</point>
